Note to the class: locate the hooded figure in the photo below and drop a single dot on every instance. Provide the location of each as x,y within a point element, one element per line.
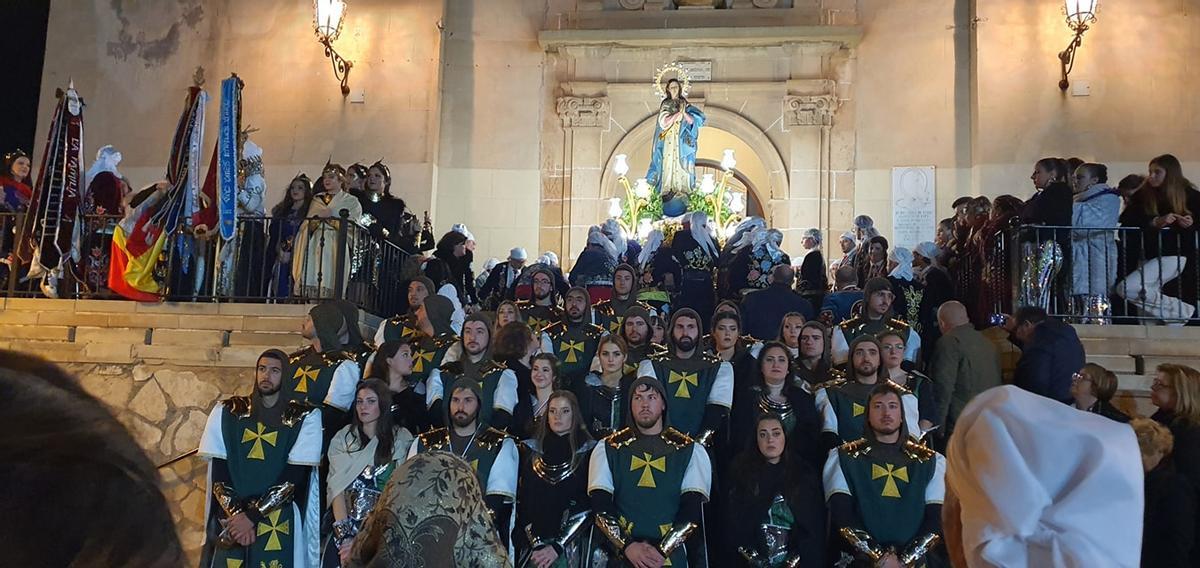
<point>105,185</point>
<point>573,341</point>
<point>610,313</point>
<point>596,262</point>
<point>497,384</point>
<point>326,378</point>
<point>355,343</point>
<point>1070,492</point>
<point>329,325</point>
<point>909,293</point>
<point>438,310</point>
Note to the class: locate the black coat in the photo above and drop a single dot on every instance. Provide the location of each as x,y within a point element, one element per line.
<point>747,509</point>
<point>1169,530</point>
<point>804,439</point>
<point>763,311</point>
<point>1048,362</point>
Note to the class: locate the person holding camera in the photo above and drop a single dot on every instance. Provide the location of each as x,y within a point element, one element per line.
<point>1051,352</point>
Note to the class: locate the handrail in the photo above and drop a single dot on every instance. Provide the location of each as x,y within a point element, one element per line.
<point>177,458</point>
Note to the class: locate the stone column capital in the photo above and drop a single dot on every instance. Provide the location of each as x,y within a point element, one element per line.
<point>810,110</point>
<point>584,112</point>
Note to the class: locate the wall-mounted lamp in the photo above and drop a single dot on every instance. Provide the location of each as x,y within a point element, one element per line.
<point>328,21</point>
<point>1080,15</point>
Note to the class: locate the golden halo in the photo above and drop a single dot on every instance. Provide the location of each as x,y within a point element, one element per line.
<point>679,74</point>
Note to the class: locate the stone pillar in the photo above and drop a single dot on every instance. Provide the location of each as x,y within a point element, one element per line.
<point>583,120</point>
<point>808,119</point>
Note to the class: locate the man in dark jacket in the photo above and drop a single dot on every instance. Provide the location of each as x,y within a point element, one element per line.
<point>1050,353</point>
<point>764,309</point>
<point>964,364</point>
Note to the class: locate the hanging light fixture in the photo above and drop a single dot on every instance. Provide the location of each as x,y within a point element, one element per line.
<point>1081,14</point>
<point>328,16</point>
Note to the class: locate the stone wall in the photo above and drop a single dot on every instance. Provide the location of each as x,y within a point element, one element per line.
<point>165,408</point>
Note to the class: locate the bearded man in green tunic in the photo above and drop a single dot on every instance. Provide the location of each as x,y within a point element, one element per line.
<point>842,401</point>
<point>648,483</point>
<point>491,453</point>
<point>324,374</point>
<point>263,452</point>
<point>573,340</point>
<point>635,329</point>
<point>699,385</point>
<point>610,314</point>
<point>543,309</point>
<point>876,318</point>
<point>497,384</point>
<point>405,325</point>
<point>885,490</point>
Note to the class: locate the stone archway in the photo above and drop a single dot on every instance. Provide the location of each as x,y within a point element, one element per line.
<point>772,186</point>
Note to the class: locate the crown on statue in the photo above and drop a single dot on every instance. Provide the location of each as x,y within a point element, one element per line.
<point>679,73</point>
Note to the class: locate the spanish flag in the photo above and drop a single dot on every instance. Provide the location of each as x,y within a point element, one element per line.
<point>145,235</point>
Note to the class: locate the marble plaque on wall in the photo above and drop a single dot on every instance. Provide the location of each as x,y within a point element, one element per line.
<point>914,209</point>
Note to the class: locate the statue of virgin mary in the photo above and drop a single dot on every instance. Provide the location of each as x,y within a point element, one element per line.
<point>672,170</point>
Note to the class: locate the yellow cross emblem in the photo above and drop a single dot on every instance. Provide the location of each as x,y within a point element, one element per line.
<point>475,466</point>
<point>857,409</point>
<point>420,358</point>
<point>570,348</point>
<point>406,331</point>
<point>615,324</point>
<point>892,473</point>
<point>537,323</point>
<point>625,524</point>
<point>303,375</point>
<point>684,379</point>
<point>233,563</point>
<point>647,463</point>
<point>274,529</point>
<point>630,367</point>
<point>258,437</point>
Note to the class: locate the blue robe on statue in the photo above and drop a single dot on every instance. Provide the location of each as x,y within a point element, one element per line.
<point>677,144</point>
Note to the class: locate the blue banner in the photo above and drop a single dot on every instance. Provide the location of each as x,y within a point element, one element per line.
<point>227,149</point>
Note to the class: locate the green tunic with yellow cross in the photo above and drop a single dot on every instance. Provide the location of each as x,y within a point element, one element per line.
<point>575,346</point>
<point>647,477</point>
<point>692,385</point>
<point>256,454</point>
<point>428,353</point>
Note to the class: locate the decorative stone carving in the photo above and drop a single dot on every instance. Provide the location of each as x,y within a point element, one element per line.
<point>583,112</point>
<point>813,110</point>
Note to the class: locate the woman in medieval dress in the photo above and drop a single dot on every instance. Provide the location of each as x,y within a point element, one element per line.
<point>673,162</point>
<point>316,243</point>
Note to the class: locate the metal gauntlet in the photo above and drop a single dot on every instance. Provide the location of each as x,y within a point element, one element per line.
<point>919,547</point>
<point>611,529</point>
<point>675,538</point>
<point>274,498</point>
<point>752,558</point>
<point>793,562</point>
<point>343,531</point>
<point>706,437</point>
<point>227,499</point>
<point>862,543</point>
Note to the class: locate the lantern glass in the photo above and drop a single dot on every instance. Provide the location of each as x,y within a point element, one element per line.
<point>614,207</point>
<point>727,161</point>
<point>707,184</point>
<point>641,188</point>
<point>622,166</point>
<point>329,15</point>
<point>1080,13</point>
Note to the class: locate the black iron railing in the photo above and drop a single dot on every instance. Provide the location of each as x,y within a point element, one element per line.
<point>1095,274</point>
<point>263,262</point>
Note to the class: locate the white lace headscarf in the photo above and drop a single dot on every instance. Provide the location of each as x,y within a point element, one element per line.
<point>903,259</point>
<point>766,242</point>
<point>613,231</point>
<point>744,234</point>
<point>653,241</point>
<point>702,233</point>
<point>596,236</point>
<point>549,258</point>
<point>107,159</point>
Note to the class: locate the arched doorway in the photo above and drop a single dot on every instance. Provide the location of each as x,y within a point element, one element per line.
<point>760,168</point>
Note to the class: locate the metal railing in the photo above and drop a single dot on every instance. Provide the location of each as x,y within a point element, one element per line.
<point>340,259</point>
<point>1095,274</point>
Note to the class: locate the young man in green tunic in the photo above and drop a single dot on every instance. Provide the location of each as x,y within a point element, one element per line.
<point>263,452</point>
<point>324,374</point>
<point>842,402</point>
<point>405,325</point>
<point>648,483</point>
<point>573,340</point>
<point>610,314</point>
<point>637,333</point>
<point>699,385</point>
<point>490,452</point>
<point>497,384</point>
<point>543,309</point>
<point>885,490</point>
<point>876,317</point>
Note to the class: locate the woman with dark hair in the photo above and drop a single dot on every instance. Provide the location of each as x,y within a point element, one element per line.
<point>286,218</point>
<point>873,264</point>
<point>995,294</point>
<point>441,274</point>
<point>514,346</point>
<point>775,515</point>
<point>602,394</point>
<point>16,187</point>
<point>393,364</point>
<point>453,249</point>
<point>1049,207</point>
<point>728,344</point>
<point>552,487</point>
<point>1165,208</point>
<point>390,218</point>
<point>67,457</point>
<point>362,456</point>
<point>775,389</point>
<point>543,377</point>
